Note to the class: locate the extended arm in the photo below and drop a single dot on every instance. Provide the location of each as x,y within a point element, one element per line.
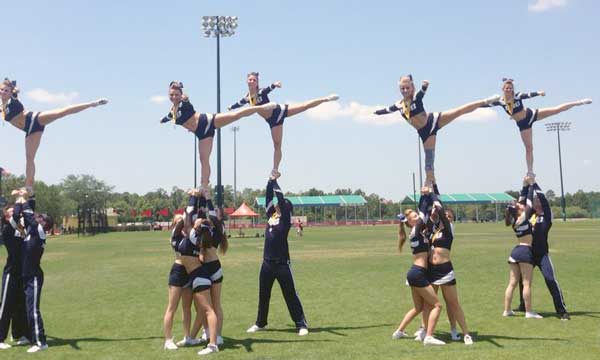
<point>243,101</point>
<point>387,110</point>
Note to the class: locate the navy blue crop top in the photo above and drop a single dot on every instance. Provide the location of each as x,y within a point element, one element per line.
<point>416,106</point>
<point>524,227</point>
<point>11,109</point>
<point>261,98</point>
<point>516,106</point>
<point>176,240</point>
<point>185,111</point>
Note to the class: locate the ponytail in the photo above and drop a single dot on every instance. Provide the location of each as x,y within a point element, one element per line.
<point>401,237</point>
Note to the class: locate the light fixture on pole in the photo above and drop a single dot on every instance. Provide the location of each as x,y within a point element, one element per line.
<point>235,130</point>
<point>558,127</point>
<point>218,27</point>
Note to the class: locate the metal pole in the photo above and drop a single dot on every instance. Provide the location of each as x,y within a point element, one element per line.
<point>414,191</point>
<point>380,218</point>
<point>235,130</point>
<point>420,164</point>
<point>562,190</point>
<point>219,184</point>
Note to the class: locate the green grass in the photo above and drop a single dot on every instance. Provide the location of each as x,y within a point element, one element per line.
<point>104,297</point>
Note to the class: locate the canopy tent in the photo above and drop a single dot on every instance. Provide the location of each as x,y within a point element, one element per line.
<point>323,201</point>
<point>467,199</point>
<point>243,210</point>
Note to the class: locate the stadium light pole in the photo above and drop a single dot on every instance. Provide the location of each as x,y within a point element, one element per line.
<point>218,27</point>
<point>235,130</point>
<point>558,127</point>
<point>414,191</point>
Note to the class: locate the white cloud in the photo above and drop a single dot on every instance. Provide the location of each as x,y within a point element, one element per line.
<point>363,114</point>
<point>544,5</point>
<point>587,162</point>
<point>46,97</point>
<point>481,114</point>
<point>158,99</point>
<point>355,111</point>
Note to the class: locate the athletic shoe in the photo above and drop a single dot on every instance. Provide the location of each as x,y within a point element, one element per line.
<point>508,313</point>
<point>23,341</point>
<point>492,99</point>
<point>421,336</point>
<point>275,174</point>
<point>420,332</point>
<point>209,349</point>
<point>585,101</point>
<point>333,97</point>
<point>454,334</point>
<point>399,334</point>
<point>170,345</point>
<point>468,340</point>
<point>430,340</point>
<point>220,340</point>
<point>565,317</point>
<point>188,341</point>
<point>36,348</point>
<point>303,331</point>
<point>4,346</point>
<point>533,315</point>
<point>254,328</point>
<point>101,102</point>
<point>204,337</point>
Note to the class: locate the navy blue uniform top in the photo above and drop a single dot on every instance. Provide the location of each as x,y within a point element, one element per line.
<point>524,227</point>
<point>416,106</point>
<point>184,112</point>
<point>11,109</point>
<point>515,106</point>
<point>13,241</point>
<point>543,223</point>
<point>418,241</point>
<point>443,238</point>
<point>176,240</point>
<point>261,98</point>
<point>35,238</point>
<point>276,233</point>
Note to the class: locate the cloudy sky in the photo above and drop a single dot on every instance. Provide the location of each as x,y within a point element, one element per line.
<point>64,52</point>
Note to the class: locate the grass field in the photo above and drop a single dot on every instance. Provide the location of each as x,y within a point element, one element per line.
<point>104,297</point>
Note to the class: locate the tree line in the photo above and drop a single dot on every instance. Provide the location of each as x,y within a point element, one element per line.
<point>77,192</point>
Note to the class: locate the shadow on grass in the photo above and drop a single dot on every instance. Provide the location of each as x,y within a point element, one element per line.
<point>594,314</point>
<point>490,338</point>
<point>74,343</point>
<point>231,343</point>
<point>335,330</point>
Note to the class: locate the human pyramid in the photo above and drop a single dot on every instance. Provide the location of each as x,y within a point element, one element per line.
<point>196,275</point>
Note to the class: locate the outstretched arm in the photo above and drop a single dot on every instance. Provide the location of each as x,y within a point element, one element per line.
<point>190,210</point>
<point>528,95</point>
<point>387,110</point>
<point>421,93</point>
<point>269,206</point>
<point>268,89</point>
<point>243,101</point>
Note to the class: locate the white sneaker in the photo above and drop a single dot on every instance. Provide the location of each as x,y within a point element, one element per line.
<point>254,328</point>
<point>209,349</point>
<point>204,337</point>
<point>508,313</point>
<point>398,334</point>
<point>430,340</point>
<point>468,340</point>
<point>188,341</point>
<point>220,340</point>
<point>333,97</point>
<point>492,99</point>
<point>454,334</point>
<point>533,315</point>
<point>420,335</point>
<point>420,331</point>
<point>101,102</point>
<point>23,341</point>
<point>170,345</point>
<point>4,346</point>
<point>303,331</point>
<point>36,348</point>
<point>585,101</point>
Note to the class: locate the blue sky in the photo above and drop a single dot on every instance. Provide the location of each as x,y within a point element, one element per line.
<point>65,52</point>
